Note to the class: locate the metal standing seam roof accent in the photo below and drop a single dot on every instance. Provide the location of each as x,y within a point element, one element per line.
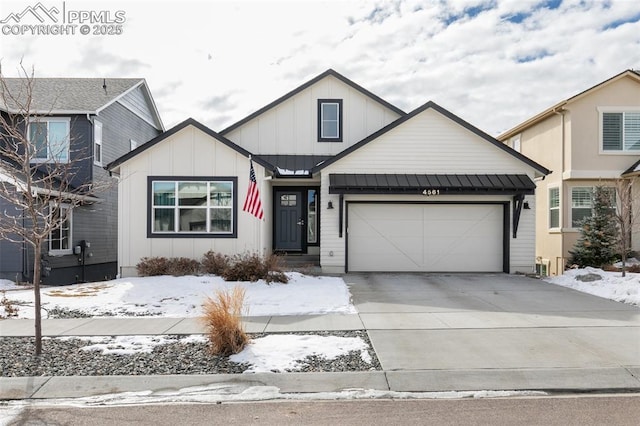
<point>412,183</point>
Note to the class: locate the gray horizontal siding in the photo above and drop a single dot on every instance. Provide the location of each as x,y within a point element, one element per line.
<point>137,102</point>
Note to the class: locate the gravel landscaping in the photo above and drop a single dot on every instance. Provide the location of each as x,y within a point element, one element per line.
<point>64,357</point>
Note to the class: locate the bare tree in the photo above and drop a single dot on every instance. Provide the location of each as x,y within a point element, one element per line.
<point>36,178</point>
<point>626,220</point>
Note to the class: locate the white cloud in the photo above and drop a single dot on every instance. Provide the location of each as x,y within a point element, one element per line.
<point>463,55</point>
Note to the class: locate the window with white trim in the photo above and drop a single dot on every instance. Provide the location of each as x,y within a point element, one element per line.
<point>620,131</point>
<point>330,120</point>
<point>49,137</point>
<point>554,207</point>
<point>582,203</point>
<point>515,143</point>
<point>97,143</point>
<point>193,206</point>
<point>60,238</point>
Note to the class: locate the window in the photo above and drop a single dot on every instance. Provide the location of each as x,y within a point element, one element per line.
<point>620,131</point>
<point>515,143</point>
<point>193,206</point>
<point>97,143</point>
<point>60,239</point>
<point>312,223</point>
<point>330,120</point>
<point>582,203</point>
<point>50,139</point>
<point>554,207</point>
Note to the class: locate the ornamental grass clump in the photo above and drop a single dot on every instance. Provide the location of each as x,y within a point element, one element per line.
<point>223,322</point>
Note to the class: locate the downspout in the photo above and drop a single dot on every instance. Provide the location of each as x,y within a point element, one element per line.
<point>561,111</point>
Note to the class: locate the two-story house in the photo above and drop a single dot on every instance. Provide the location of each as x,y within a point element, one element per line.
<point>590,139</point>
<point>89,121</point>
<point>342,175</point>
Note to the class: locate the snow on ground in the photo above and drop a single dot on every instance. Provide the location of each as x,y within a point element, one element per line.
<point>280,353</point>
<point>177,297</point>
<point>612,285</point>
<point>271,353</point>
<point>8,285</point>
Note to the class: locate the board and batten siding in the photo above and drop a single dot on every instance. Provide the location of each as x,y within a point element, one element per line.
<point>428,143</point>
<point>291,127</point>
<point>189,152</point>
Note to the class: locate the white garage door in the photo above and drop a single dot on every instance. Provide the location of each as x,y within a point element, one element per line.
<point>425,237</point>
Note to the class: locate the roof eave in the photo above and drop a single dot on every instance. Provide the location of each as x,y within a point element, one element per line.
<point>558,107</point>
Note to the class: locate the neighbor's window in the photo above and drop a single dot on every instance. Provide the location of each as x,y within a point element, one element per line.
<point>582,203</point>
<point>193,207</point>
<point>60,239</point>
<point>621,131</point>
<point>330,120</point>
<point>97,143</point>
<point>515,143</point>
<point>554,207</point>
<point>49,138</point>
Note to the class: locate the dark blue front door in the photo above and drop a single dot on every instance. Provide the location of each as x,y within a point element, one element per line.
<point>289,220</point>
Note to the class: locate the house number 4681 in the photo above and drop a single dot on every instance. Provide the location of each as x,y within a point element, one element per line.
<point>429,192</point>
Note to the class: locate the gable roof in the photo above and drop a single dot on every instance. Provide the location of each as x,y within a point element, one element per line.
<point>188,122</point>
<point>449,115</point>
<point>309,83</point>
<point>558,107</point>
<point>71,95</point>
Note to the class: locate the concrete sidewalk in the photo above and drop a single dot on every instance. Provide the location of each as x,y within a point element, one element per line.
<point>431,333</point>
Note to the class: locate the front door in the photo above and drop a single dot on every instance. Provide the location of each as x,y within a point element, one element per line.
<point>289,220</point>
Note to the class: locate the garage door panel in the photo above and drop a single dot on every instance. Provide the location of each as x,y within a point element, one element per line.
<point>389,237</point>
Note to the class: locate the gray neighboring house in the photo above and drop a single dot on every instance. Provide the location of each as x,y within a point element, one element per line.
<point>104,119</point>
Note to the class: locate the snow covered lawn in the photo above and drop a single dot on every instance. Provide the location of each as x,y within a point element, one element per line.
<point>177,297</point>
<point>612,285</point>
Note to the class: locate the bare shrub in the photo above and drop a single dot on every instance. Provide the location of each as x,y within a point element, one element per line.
<point>215,263</point>
<point>223,322</point>
<point>635,268</point>
<point>253,267</point>
<point>610,268</point>
<point>153,266</point>
<point>7,306</point>
<point>275,272</point>
<point>245,267</point>
<point>181,266</point>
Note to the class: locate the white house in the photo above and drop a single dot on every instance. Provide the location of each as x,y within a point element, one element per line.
<point>343,175</point>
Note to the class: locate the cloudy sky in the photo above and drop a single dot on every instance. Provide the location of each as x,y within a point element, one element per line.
<point>493,63</point>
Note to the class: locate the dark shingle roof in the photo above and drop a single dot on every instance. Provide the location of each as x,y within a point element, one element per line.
<point>66,95</point>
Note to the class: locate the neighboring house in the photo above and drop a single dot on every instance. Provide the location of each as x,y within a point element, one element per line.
<point>343,175</point>
<point>94,121</point>
<point>590,139</point>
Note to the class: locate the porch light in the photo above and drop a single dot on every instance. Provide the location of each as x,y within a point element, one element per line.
<point>330,205</point>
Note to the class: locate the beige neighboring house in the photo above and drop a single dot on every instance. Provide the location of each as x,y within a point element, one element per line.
<point>590,139</point>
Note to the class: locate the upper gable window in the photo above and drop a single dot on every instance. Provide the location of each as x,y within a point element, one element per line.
<point>330,120</point>
<point>620,131</point>
<point>49,138</point>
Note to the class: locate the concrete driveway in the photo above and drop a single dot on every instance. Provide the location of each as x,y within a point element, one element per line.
<point>495,331</point>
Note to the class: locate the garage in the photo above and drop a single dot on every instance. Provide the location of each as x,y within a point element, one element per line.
<point>425,237</point>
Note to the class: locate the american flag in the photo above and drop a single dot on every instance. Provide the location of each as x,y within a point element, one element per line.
<point>252,203</point>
